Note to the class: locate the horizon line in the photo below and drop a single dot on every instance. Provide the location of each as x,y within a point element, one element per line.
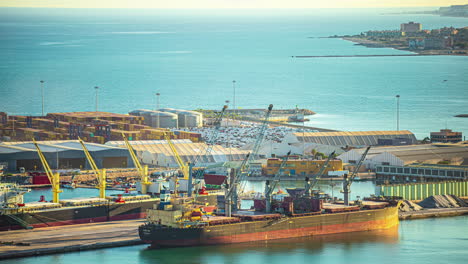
<point>200,8</point>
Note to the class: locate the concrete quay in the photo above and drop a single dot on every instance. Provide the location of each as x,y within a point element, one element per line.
<point>430,213</point>
<point>52,240</point>
<point>361,177</point>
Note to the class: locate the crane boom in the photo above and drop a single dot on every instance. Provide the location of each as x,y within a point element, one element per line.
<point>316,177</point>
<point>100,173</point>
<point>261,135</point>
<point>347,181</point>
<point>142,170</point>
<point>54,178</point>
<point>237,176</point>
<point>270,188</point>
<point>243,171</point>
<point>212,140</point>
<point>183,167</point>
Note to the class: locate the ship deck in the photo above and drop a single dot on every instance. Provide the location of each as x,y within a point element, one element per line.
<point>50,240</point>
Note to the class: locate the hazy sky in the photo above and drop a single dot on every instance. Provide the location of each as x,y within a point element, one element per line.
<point>226,3</point>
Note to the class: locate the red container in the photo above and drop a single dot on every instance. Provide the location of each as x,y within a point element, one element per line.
<point>40,179</point>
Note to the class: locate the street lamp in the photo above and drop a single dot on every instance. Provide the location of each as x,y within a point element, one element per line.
<point>398,112</point>
<point>157,100</point>
<point>96,88</point>
<point>42,94</point>
<point>157,105</point>
<point>234,95</point>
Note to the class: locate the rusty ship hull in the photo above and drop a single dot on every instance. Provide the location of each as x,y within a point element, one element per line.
<point>288,227</point>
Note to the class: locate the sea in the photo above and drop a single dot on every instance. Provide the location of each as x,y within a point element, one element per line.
<point>192,57</point>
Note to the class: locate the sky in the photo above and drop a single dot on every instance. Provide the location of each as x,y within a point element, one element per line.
<point>227,3</point>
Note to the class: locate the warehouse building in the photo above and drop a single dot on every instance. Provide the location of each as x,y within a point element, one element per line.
<point>349,139</point>
<point>421,172</point>
<point>159,153</point>
<point>404,155</point>
<point>61,154</point>
<point>301,167</point>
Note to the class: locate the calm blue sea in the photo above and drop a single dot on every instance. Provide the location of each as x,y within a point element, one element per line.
<point>192,57</point>
<point>442,240</point>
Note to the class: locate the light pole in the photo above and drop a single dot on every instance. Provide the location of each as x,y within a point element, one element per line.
<point>42,95</point>
<point>234,95</point>
<point>398,112</point>
<point>157,100</point>
<point>157,105</point>
<point>96,88</point>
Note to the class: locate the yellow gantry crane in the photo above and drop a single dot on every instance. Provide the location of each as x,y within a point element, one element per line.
<point>142,170</point>
<point>54,178</point>
<point>100,173</point>
<point>183,167</point>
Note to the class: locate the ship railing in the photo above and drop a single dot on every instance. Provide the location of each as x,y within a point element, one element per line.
<point>195,224</point>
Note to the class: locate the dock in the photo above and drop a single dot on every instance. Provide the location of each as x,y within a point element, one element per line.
<point>430,213</point>
<point>69,238</point>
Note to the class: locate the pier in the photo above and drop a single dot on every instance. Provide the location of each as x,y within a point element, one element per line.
<point>365,56</point>
<point>52,240</point>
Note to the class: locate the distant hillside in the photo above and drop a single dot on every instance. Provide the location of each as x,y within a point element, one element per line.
<point>453,11</point>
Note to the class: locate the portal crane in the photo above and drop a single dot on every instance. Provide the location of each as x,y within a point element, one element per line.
<point>54,178</point>
<point>269,188</point>
<point>347,181</point>
<point>100,173</point>
<point>317,176</point>
<point>142,170</point>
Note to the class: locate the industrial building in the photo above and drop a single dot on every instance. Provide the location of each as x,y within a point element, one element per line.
<point>404,155</point>
<point>349,139</point>
<point>157,119</point>
<point>186,118</point>
<point>446,136</point>
<point>301,167</point>
<point>61,154</point>
<point>159,153</point>
<point>421,172</point>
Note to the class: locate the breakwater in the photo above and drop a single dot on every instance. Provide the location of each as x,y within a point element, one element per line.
<point>364,56</point>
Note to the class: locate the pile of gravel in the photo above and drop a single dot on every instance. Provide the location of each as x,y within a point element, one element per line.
<point>442,201</point>
<point>408,206</point>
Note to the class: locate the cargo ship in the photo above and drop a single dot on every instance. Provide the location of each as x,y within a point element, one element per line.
<point>176,224</point>
<point>15,214</point>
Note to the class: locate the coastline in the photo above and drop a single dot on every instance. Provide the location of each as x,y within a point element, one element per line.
<point>380,44</point>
